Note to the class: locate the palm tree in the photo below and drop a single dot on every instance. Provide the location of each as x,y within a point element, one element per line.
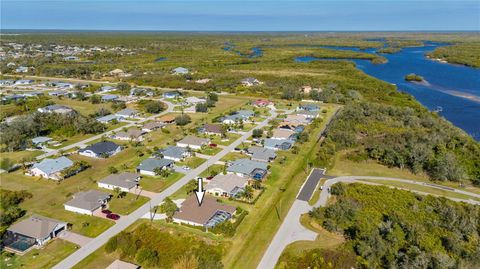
<point>248,193</point>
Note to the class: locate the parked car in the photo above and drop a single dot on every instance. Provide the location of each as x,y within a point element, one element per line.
<point>213,145</point>
<point>209,178</point>
<point>106,211</point>
<point>186,168</point>
<point>113,216</point>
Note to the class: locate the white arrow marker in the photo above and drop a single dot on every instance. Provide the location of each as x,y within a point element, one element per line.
<point>200,193</point>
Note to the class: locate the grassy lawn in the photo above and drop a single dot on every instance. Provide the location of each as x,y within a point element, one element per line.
<point>159,184</point>
<point>233,156</point>
<point>127,204</point>
<point>260,225</point>
<point>192,162</point>
<point>218,168</point>
<point>426,189</point>
<point>216,139</point>
<point>18,156</point>
<point>210,150</point>
<point>55,251</point>
<point>84,107</point>
<point>316,194</point>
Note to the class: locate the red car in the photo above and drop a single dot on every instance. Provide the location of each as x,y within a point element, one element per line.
<point>213,145</point>
<point>106,211</point>
<point>113,216</point>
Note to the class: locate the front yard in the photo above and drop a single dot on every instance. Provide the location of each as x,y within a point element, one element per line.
<point>158,184</point>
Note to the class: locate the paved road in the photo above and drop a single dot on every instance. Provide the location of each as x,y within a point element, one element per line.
<point>95,137</point>
<point>126,221</point>
<point>310,184</point>
<point>291,230</point>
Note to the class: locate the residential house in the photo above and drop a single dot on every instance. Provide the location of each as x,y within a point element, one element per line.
<point>127,113</point>
<point>180,71</point>
<point>203,81</point>
<point>131,134</point>
<point>174,153</point>
<point>6,82</point>
<point>308,114</point>
<point>229,185</point>
<point>248,168</point>
<point>148,166</point>
<point>119,73</point>
<point>23,82</point>
<point>283,134</point>
<point>192,100</point>
<point>250,82</point>
<point>167,119</point>
<point>102,149</point>
<point>193,142</point>
<point>40,140</point>
<point>118,264</point>
<point>152,126</point>
<point>71,58</point>
<point>276,144</point>
<point>56,109</point>
<point>51,168</point>
<point>21,69</point>
<point>87,202</point>
<point>171,94</point>
<point>124,181</point>
<point>34,231</point>
<point>296,119</point>
<point>262,103</point>
<point>58,93</point>
<point>109,97</point>
<point>261,154</point>
<point>108,118</point>
<point>308,107</point>
<point>107,88</point>
<point>212,129</point>
<point>241,115</point>
<point>208,215</point>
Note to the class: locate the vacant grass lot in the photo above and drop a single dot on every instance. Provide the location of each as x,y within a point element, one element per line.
<point>192,162</point>
<point>126,205</point>
<point>84,107</point>
<point>18,156</point>
<point>158,184</point>
<point>55,251</point>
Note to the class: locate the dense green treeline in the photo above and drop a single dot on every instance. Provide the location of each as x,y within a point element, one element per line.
<point>462,53</point>
<point>10,209</point>
<point>406,138</point>
<point>391,228</point>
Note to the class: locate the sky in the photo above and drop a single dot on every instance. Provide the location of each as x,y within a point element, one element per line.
<point>246,15</point>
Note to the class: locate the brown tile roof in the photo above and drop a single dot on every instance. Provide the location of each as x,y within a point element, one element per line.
<point>190,211</point>
<point>213,128</point>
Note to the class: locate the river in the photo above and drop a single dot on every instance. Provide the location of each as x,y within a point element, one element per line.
<point>453,89</point>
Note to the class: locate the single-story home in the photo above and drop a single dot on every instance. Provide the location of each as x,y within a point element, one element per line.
<point>248,168</point>
<point>87,202</point>
<point>261,154</point>
<point>102,149</point>
<point>180,71</point>
<point>34,231</point>
<point>296,119</point>
<point>152,126</point>
<point>109,97</point>
<point>7,82</point>
<point>124,181</point>
<point>108,118</point>
<point>118,264</point>
<point>208,215</point>
<point>171,94</point>
<point>250,82</point>
<point>175,153</point>
<point>55,109</point>
<point>193,142</point>
<point>192,100</point>
<point>212,129</point>
<point>241,115</point>
<point>21,69</point>
<point>131,134</point>
<point>24,82</point>
<point>276,144</point>
<point>262,103</point>
<point>40,140</point>
<point>107,88</point>
<point>308,114</point>
<point>51,168</point>
<point>127,113</point>
<point>148,166</point>
<point>167,119</point>
<point>283,134</point>
<point>308,107</point>
<point>229,185</point>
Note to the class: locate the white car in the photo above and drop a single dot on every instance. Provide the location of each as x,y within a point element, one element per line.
<point>186,168</point>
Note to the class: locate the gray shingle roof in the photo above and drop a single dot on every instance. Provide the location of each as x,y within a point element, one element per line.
<point>259,153</point>
<point>89,200</point>
<point>38,227</point>
<point>174,152</point>
<point>102,147</point>
<point>152,163</point>
<point>124,180</point>
<point>246,166</point>
<point>193,140</point>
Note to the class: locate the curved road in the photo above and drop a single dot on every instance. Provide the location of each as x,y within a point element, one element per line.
<point>126,221</point>
<point>291,230</point>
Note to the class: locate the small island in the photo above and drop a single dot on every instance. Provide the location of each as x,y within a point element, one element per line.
<point>414,77</point>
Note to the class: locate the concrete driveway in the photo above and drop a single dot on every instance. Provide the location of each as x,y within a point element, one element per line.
<point>75,238</point>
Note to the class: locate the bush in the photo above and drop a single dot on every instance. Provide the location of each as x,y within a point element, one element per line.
<point>182,120</point>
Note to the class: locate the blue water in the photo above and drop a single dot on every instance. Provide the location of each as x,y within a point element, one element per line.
<point>455,88</point>
<point>255,52</point>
